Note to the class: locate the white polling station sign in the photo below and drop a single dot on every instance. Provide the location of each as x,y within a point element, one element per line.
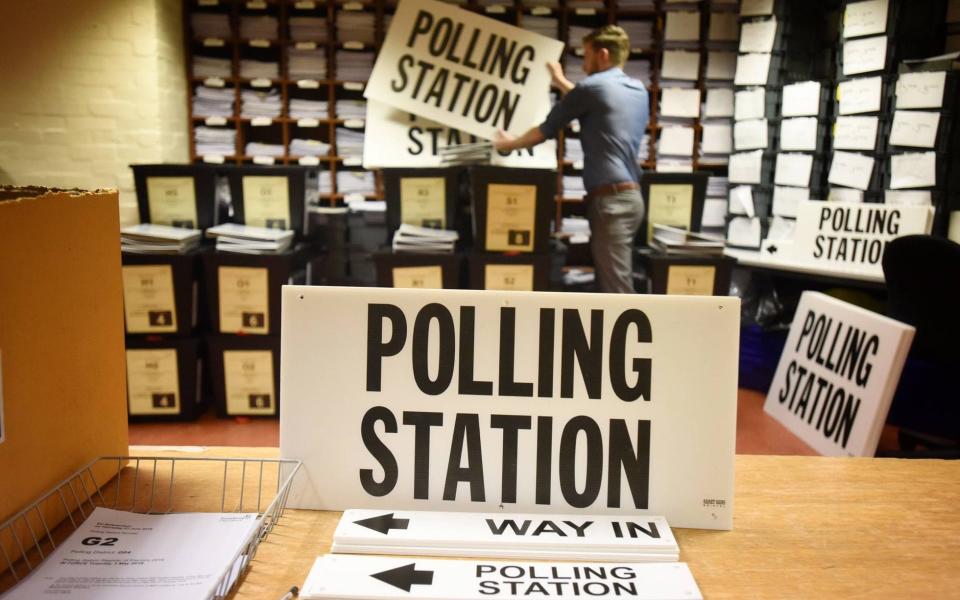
<point>406,140</point>
<point>335,576</point>
<point>837,375</point>
<point>543,402</point>
<point>464,70</point>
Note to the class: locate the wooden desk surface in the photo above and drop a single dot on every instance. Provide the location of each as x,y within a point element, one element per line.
<point>804,527</point>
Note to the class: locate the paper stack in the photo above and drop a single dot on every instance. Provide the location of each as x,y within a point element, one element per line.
<point>643,152</point>
<point>573,187</point>
<point>673,240</point>
<point>354,66</point>
<point>349,142</point>
<point>210,25</point>
<point>306,147</point>
<point>244,239</point>
<point>573,151</point>
<point>262,149</point>
<point>351,109</point>
<point>465,154</point>
<point>306,64</point>
<point>257,103</point>
<point>258,28</point>
<point>148,238</point>
<point>308,29</point>
<point>601,538</point>
<point>639,32</point>
<point>258,69</point>
<point>545,26</point>
<point>325,183</point>
<point>211,66</point>
<point>638,68</point>
<point>218,141</point>
<point>213,102</point>
<point>578,228</point>
<point>576,35</point>
<point>411,238</point>
<point>356,182</point>
<point>355,26</point>
<point>309,109</point>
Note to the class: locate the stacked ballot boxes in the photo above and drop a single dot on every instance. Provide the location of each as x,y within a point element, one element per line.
<point>422,270</point>
<point>164,378</point>
<point>697,275</point>
<point>366,235</point>
<point>245,374</point>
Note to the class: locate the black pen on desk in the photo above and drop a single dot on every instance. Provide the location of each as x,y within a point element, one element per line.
<point>293,593</point>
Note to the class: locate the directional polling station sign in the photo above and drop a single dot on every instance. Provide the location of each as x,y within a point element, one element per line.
<point>481,401</point>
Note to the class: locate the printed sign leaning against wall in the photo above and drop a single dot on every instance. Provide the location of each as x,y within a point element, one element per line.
<point>538,402</point>
<point>464,70</point>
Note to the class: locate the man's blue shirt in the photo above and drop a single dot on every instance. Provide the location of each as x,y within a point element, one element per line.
<point>613,110</point>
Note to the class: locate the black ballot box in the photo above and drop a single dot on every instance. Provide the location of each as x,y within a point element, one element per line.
<point>327,230</point>
<point>164,378</point>
<point>697,275</point>
<point>512,208</point>
<point>182,195</point>
<point>161,293</point>
<point>515,272</point>
<point>366,235</point>
<point>270,196</point>
<point>243,290</point>
<point>245,374</point>
<point>419,270</point>
<point>422,197</point>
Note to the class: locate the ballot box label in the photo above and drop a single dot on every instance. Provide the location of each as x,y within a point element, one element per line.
<point>153,382</point>
<point>669,204</point>
<point>248,381</point>
<point>508,277</point>
<point>511,213</point>
<point>423,201</point>
<point>266,201</point>
<point>148,299</point>
<point>172,201</point>
<point>487,400</point>
<point>694,280</point>
<point>244,299</point>
<point>344,576</point>
<point>837,375</point>
<point>428,277</point>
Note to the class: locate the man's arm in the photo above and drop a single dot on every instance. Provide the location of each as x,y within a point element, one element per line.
<point>506,142</point>
<point>558,79</point>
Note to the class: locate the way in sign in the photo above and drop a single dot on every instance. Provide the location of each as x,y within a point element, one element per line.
<point>565,528</point>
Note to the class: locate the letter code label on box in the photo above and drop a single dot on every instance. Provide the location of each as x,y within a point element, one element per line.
<point>483,400</point>
<point>344,576</point>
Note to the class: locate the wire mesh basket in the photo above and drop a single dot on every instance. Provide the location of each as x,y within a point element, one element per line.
<point>149,485</point>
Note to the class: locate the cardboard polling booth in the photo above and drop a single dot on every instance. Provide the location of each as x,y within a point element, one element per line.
<point>63,401</point>
<point>519,401</point>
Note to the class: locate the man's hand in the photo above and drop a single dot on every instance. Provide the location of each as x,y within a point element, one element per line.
<point>558,79</point>
<point>503,141</point>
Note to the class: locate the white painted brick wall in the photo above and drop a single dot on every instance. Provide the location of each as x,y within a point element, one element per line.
<point>88,88</point>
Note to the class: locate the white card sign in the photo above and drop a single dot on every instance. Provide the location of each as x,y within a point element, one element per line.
<point>837,375</point>
<point>464,70</point>
<point>406,140</point>
<point>425,409</point>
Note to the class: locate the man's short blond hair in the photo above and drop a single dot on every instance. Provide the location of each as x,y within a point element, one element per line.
<point>612,38</point>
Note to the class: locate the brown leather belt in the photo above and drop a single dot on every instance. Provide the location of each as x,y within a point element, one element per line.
<point>613,188</point>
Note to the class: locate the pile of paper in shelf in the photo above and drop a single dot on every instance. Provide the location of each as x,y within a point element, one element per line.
<point>306,147</point>
<point>639,32</point>
<point>264,149</point>
<point>325,182</point>
<point>576,35</point>
<point>356,182</point>
<point>545,26</point>
<point>578,229</point>
<point>349,142</point>
<point>308,29</point>
<point>244,239</point>
<point>673,240</point>
<point>210,25</point>
<point>215,140</point>
<point>573,187</point>
<point>258,28</point>
<point>309,109</point>
<point>210,66</point>
<point>465,154</point>
<point>573,150</point>
<point>255,103</point>
<point>354,66</point>
<point>148,238</point>
<point>213,102</point>
<point>355,26</point>
<point>412,238</point>
<point>638,68</point>
<point>306,64</point>
<point>259,69</point>
<point>351,109</point>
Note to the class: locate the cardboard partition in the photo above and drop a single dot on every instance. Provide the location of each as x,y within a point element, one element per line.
<point>164,378</point>
<point>245,375</point>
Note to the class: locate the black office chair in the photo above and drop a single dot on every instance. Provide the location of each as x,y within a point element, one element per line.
<point>923,285</point>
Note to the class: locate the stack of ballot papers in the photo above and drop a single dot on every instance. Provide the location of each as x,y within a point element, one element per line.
<point>576,34</point>
<point>355,26</point>
<point>147,238</point>
<point>601,538</point>
<point>325,183</point>
<point>673,240</point>
<point>258,69</point>
<point>643,152</point>
<point>463,154</point>
<point>573,187</point>
<point>349,142</point>
<point>573,150</point>
<point>309,109</point>
<point>338,577</point>
<point>306,147</point>
<point>717,186</point>
<point>354,66</point>
<point>578,228</point>
<point>351,109</point>
<point>306,64</point>
<point>356,182</point>
<point>262,27</point>
<point>244,239</point>
<point>262,149</point>
<point>308,29</point>
<point>257,103</point>
<point>210,25</point>
<point>213,102</point>
<point>639,32</point>
<point>218,141</point>
<point>545,26</point>
<point>411,238</point>
<point>638,68</point>
<point>210,66</point>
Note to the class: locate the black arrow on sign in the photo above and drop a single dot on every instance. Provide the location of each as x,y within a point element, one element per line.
<point>772,249</point>
<point>405,577</point>
<point>383,523</point>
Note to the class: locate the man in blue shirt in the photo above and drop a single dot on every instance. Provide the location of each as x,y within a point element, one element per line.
<point>613,110</point>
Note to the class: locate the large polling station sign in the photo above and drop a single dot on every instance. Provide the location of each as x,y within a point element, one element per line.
<point>466,71</point>
<point>483,401</point>
<point>406,140</point>
<point>837,375</point>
